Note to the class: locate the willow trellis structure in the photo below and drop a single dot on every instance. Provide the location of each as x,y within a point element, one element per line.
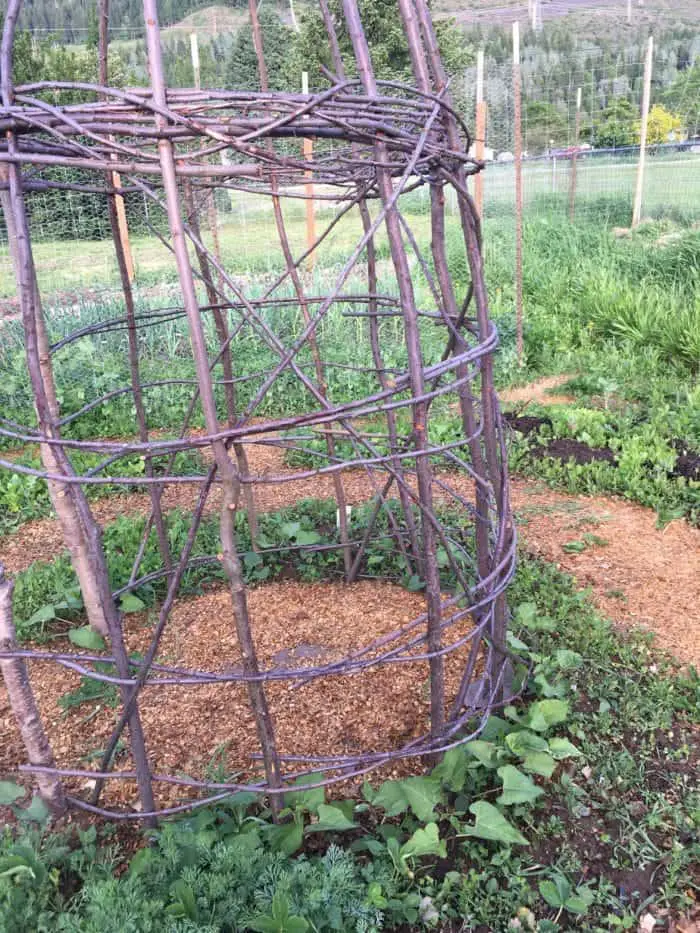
<point>442,506</point>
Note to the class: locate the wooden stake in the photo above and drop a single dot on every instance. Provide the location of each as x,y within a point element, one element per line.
<point>123,227</point>
<point>646,97</point>
<point>480,131</point>
<point>309,188</point>
<point>518,147</point>
<point>572,176</point>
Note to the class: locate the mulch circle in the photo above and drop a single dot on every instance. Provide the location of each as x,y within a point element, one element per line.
<point>209,731</point>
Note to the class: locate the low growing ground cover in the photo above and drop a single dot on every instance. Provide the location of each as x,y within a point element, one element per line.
<point>576,809</point>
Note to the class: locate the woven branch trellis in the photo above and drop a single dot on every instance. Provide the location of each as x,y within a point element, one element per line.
<point>374,142</point>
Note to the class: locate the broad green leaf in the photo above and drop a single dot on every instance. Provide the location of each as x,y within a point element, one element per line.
<point>9,792</point>
<point>44,614</point>
<point>15,866</point>
<point>264,925</point>
<point>517,787</point>
<point>290,529</point>
<point>391,798</point>
<point>286,838</point>
<point>186,900</point>
<point>548,689</point>
<point>492,825</point>
<point>87,638</point>
<point>307,537</point>
<point>36,812</point>
<point>568,660</point>
<point>579,902</point>
<point>495,729</point>
<point>555,892</point>
<point>131,603</point>
<point>424,842</point>
<point>296,925</point>
<point>528,615</point>
<point>452,770</point>
<point>486,753</point>
<point>523,743</point>
<point>307,799</point>
<point>539,763</point>
<point>423,795</point>
<point>547,713</point>
<point>563,748</point>
<point>330,819</point>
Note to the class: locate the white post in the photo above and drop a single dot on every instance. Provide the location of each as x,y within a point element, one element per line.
<point>646,99</point>
<point>518,152</point>
<point>309,187</point>
<point>194,51</point>
<point>480,132</point>
<point>629,12</point>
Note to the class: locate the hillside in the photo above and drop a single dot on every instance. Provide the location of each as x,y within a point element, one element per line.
<point>71,19</point>
<point>588,16</point>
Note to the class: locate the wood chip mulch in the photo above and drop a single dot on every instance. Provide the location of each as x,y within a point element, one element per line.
<point>192,730</point>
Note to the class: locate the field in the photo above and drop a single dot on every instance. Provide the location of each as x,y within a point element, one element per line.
<point>577,807</point>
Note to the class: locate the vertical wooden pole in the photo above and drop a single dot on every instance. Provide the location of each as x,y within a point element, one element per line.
<point>574,155</point>
<point>480,131</point>
<point>646,97</point>
<point>518,152</point>
<point>309,188</point>
<point>21,697</point>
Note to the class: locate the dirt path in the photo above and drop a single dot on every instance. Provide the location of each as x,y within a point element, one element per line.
<point>539,392</point>
<point>639,575</point>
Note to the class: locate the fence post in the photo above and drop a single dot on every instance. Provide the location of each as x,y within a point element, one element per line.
<point>518,152</point>
<point>480,131</point>
<point>212,217</point>
<point>194,53</point>
<point>308,187</point>
<point>574,155</point>
<point>123,227</point>
<point>639,190</point>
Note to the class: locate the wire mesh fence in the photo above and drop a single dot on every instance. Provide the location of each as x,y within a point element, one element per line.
<point>71,231</point>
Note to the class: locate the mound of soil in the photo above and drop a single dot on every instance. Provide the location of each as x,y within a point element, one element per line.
<point>525,424</point>
<point>566,448</point>
<point>687,462</point>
